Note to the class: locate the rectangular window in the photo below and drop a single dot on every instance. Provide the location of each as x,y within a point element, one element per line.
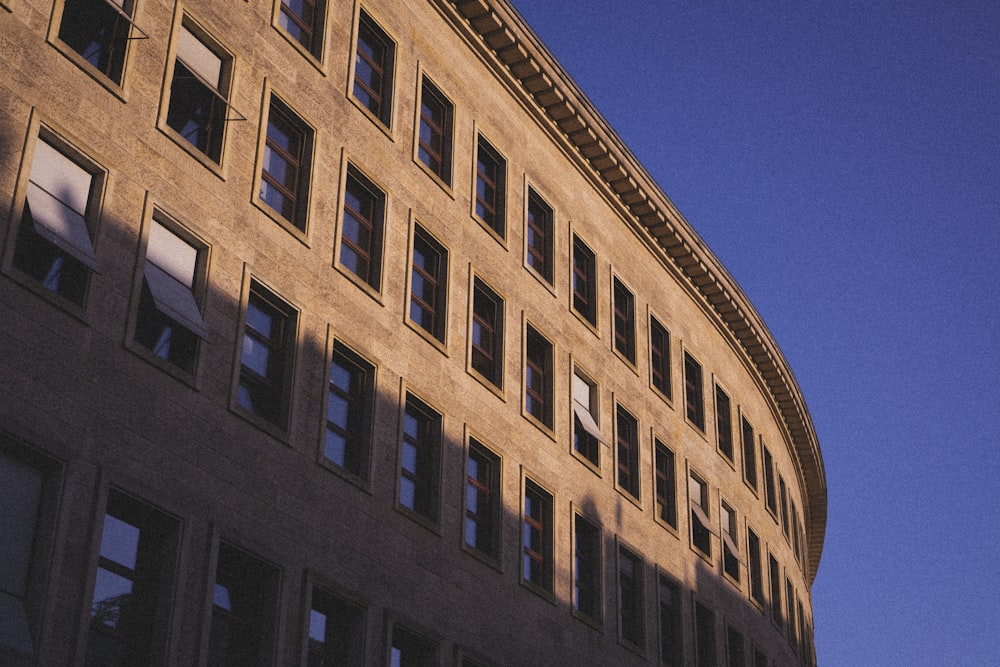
<point>429,284</point>
<point>735,648</point>
<point>759,658</point>
<point>783,500</point>
<point>793,640</point>
<point>631,624</point>
<point>536,537</point>
<point>628,452</point>
<point>774,571</point>
<point>749,453</point>
<point>373,69</point>
<point>130,610</point>
<point>701,526</point>
<point>199,94</point>
<point>704,635</point>
<point>624,321</point>
<point>538,236</point>
<point>671,635</point>
<point>666,484</point>
<point>55,240</point>
<point>486,339</point>
<point>587,438</point>
<point>434,141</point>
<point>482,500</point>
<point>770,494</point>
<point>303,21</point>
<point>755,566</point>
<point>284,178</point>
<point>349,406</point>
<point>538,377</point>
<point>803,632</point>
<point>169,321</point>
<point>411,649</point>
<point>100,32</point>
<point>694,400</point>
<point>420,459</point>
<point>659,357</point>
<point>584,281</point>
<point>730,541</point>
<point>363,223</point>
<point>587,568</point>
<point>268,356</point>
<point>795,532</point>
<point>491,186</point>
<point>336,631</point>
<point>724,422</point>
<point>244,609</point>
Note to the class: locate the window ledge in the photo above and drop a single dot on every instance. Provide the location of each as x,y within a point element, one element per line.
<point>385,129</point>
<point>439,345</point>
<point>361,483</point>
<point>446,187</point>
<point>375,294</point>
<point>284,223</point>
<point>190,378</point>
<point>116,89</point>
<point>206,161</point>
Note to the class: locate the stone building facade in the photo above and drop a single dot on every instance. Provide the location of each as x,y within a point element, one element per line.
<point>339,332</point>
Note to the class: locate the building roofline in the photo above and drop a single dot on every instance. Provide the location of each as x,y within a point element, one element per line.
<point>522,59</point>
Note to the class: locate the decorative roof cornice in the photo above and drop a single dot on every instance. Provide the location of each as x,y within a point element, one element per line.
<point>521,57</point>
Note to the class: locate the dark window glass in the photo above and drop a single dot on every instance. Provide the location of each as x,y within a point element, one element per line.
<point>198,95</point>
<point>749,453</point>
<point>587,568</point>
<point>630,582</point>
<point>624,307</point>
<point>244,609</point>
<point>482,500</point>
<point>666,485</point>
<point>704,635</point>
<point>303,20</point>
<point>755,565</point>
<point>659,356</point>
<point>724,422</point>
<point>538,377</point>
<point>790,614</point>
<point>628,452</point>
<point>421,457</point>
<point>759,658</point>
<point>587,437</point>
<point>284,180</point>
<point>694,399</point>
<point>491,175</point>
<point>539,236</point>
<point>349,411</point>
<point>584,281</point>
<point>701,535</point>
<point>361,235</point>
<point>428,284</point>
<point>783,499</point>
<point>434,141</point>
<point>373,69</point>
<point>735,650</point>
<point>770,492</point>
<point>336,631</point>
<point>536,537</point>
<point>410,649</point>
<point>268,351</point>
<point>671,637</point>
<point>487,333</point>
<point>774,571</point>
<point>730,542</point>
<point>99,32</point>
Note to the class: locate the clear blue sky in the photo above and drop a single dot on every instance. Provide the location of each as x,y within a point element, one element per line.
<point>841,159</point>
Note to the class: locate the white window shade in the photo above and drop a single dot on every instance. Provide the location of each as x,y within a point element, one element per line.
<point>731,546</point>
<point>199,58</point>
<point>172,254</point>
<point>582,409</point>
<point>175,300</point>
<point>703,518</point>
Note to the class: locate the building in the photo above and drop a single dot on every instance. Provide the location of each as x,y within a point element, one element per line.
<point>339,332</point>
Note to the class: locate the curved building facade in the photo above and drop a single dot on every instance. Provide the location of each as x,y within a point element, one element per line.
<point>339,332</point>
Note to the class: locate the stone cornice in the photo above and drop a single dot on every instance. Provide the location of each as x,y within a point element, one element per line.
<point>521,56</point>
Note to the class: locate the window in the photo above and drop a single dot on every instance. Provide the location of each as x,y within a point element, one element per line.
<point>244,609</point>
<point>491,186</point>
<point>336,631</point>
<point>587,568</point>
<point>434,140</point>
<point>735,649</point>
<point>536,537</point>
<point>624,306</point>
<point>755,566</point>
<point>538,377</point>
<point>803,641</point>
<point>666,484</point>
<point>671,636</point>
<point>704,635</point>
<point>349,407</point>
<point>584,281</point>
<point>303,21</point>
<point>749,453</point>
<point>130,610</point>
<point>783,499</point>
<point>724,423</point>
<point>199,94</point>
<point>730,541</point>
<point>99,31</point>
<point>55,244</point>
<point>361,234</point>
<point>284,178</point>
<point>428,284</point>
<point>793,640</point>
<point>769,491</point>
<point>420,459</point>
<point>169,322</point>
<point>267,357</point>
<point>628,452</point>
<point>759,658</point>
<point>795,533</point>
<point>694,400</point>
<point>410,649</point>
<point>701,526</point>
<point>774,571</point>
<point>659,357</point>
<point>538,236</point>
<point>630,584</point>
<point>373,63</point>
<point>482,500</point>
<point>486,339</point>
<point>587,438</point>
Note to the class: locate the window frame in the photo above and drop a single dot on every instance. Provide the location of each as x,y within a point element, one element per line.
<point>774,578</point>
<point>346,604</point>
<point>665,485</point>
<point>592,438</point>
<point>627,453</point>
<point>660,375</point>
<point>748,442</point>
<point>544,525</point>
<point>428,445</point>
<point>430,642</point>
<point>539,259</point>
<point>493,375</point>
<point>540,363</point>
<point>493,488</point>
<point>495,184</point>
<point>300,195</point>
<point>770,488</point>
<point>630,589</point>
<point>729,533</point>
<point>441,132</point>
<point>676,620</point>
<point>755,568</point>
<point>735,647</point>
<point>724,424</point>
<point>315,29</point>
<point>703,614</point>
<point>437,331</point>
<point>702,506</point>
<point>383,115</point>
<point>591,576</point>
<point>623,321</point>
<point>373,222</point>
<point>358,443</point>
<point>584,303</point>
<point>694,392</point>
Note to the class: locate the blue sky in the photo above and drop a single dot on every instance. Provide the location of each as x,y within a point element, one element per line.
<point>841,159</point>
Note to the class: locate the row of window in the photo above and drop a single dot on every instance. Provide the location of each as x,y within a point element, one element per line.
<point>133,576</point>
